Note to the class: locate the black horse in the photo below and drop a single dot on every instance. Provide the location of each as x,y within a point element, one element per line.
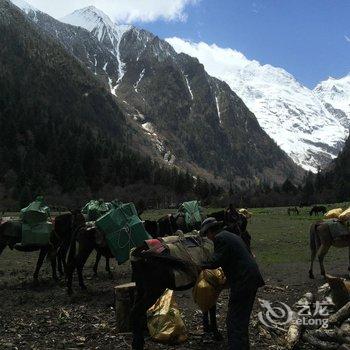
<point>165,226</point>
<point>88,239</point>
<point>318,209</point>
<point>153,274</point>
<point>11,235</point>
<point>218,215</point>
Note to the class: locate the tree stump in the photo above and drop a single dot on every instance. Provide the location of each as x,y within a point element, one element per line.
<point>124,296</point>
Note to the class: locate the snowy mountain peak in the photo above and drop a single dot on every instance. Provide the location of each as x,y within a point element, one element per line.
<point>24,6</point>
<point>293,115</point>
<point>335,94</point>
<point>89,18</point>
<point>97,22</point>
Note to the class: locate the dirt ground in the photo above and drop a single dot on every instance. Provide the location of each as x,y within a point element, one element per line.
<point>44,317</point>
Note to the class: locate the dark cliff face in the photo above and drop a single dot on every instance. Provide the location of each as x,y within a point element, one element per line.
<point>175,111</point>
<point>60,126</point>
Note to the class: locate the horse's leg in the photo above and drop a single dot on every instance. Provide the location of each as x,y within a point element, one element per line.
<point>69,271</point>
<point>108,268</point>
<point>313,256</point>
<point>349,257</point>
<point>206,324</point>
<point>97,261</point>
<point>2,246</point>
<point>322,252</point>
<point>60,264</point>
<point>42,254</point>
<point>80,262</point>
<point>139,315</point>
<point>314,247</point>
<point>53,258</point>
<point>214,325</point>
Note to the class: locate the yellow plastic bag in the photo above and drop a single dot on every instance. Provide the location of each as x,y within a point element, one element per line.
<point>164,321</point>
<point>345,215</point>
<point>246,213</point>
<point>333,214</point>
<point>209,285</point>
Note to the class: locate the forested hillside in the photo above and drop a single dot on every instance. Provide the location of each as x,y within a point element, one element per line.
<point>61,131</point>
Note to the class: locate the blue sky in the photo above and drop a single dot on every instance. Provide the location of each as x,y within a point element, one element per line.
<point>305,37</point>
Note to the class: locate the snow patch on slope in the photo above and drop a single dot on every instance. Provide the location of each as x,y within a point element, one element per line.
<point>26,8</point>
<point>99,24</point>
<point>336,93</point>
<point>289,112</point>
<point>218,109</point>
<point>142,74</point>
<point>188,86</point>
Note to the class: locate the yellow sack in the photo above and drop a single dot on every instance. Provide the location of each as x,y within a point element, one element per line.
<point>209,285</point>
<point>246,213</point>
<point>333,214</point>
<point>164,321</point>
<point>345,215</point>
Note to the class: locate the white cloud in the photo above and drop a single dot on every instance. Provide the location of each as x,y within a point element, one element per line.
<point>219,62</point>
<point>347,38</point>
<point>123,11</point>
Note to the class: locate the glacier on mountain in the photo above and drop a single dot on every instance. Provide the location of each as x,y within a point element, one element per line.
<point>293,115</point>
<point>335,94</point>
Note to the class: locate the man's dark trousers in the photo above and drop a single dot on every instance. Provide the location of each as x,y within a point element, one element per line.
<point>238,315</point>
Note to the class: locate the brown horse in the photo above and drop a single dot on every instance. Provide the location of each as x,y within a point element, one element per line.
<point>320,242</point>
<point>11,235</point>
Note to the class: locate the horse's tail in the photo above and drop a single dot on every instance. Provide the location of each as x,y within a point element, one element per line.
<point>314,239</point>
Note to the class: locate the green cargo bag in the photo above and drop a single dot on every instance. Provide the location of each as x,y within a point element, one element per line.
<point>38,234</point>
<point>95,209</point>
<point>36,212</point>
<point>123,230</point>
<point>193,213</point>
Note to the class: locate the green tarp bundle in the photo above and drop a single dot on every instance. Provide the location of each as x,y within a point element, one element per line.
<point>123,230</point>
<point>193,213</point>
<point>95,209</point>
<point>36,225</point>
<point>37,234</point>
<point>36,212</point>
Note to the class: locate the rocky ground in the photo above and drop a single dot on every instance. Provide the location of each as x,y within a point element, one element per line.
<point>44,317</point>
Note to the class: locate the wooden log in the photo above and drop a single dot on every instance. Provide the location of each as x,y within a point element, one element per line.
<point>325,334</point>
<point>344,347</point>
<point>343,333</point>
<point>319,344</point>
<point>341,315</point>
<point>294,332</point>
<point>306,300</point>
<point>124,296</point>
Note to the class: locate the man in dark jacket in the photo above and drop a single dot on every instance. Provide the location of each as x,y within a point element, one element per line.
<point>243,276</point>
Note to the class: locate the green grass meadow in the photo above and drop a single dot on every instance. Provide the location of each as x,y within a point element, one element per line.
<point>278,238</point>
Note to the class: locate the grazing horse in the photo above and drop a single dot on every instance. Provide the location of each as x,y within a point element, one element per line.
<point>293,210</point>
<point>11,234</point>
<point>320,241</point>
<point>153,274</point>
<point>318,209</point>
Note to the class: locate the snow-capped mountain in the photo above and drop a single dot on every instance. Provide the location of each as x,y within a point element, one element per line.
<point>335,94</point>
<point>100,25</point>
<point>289,112</point>
<point>177,112</point>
